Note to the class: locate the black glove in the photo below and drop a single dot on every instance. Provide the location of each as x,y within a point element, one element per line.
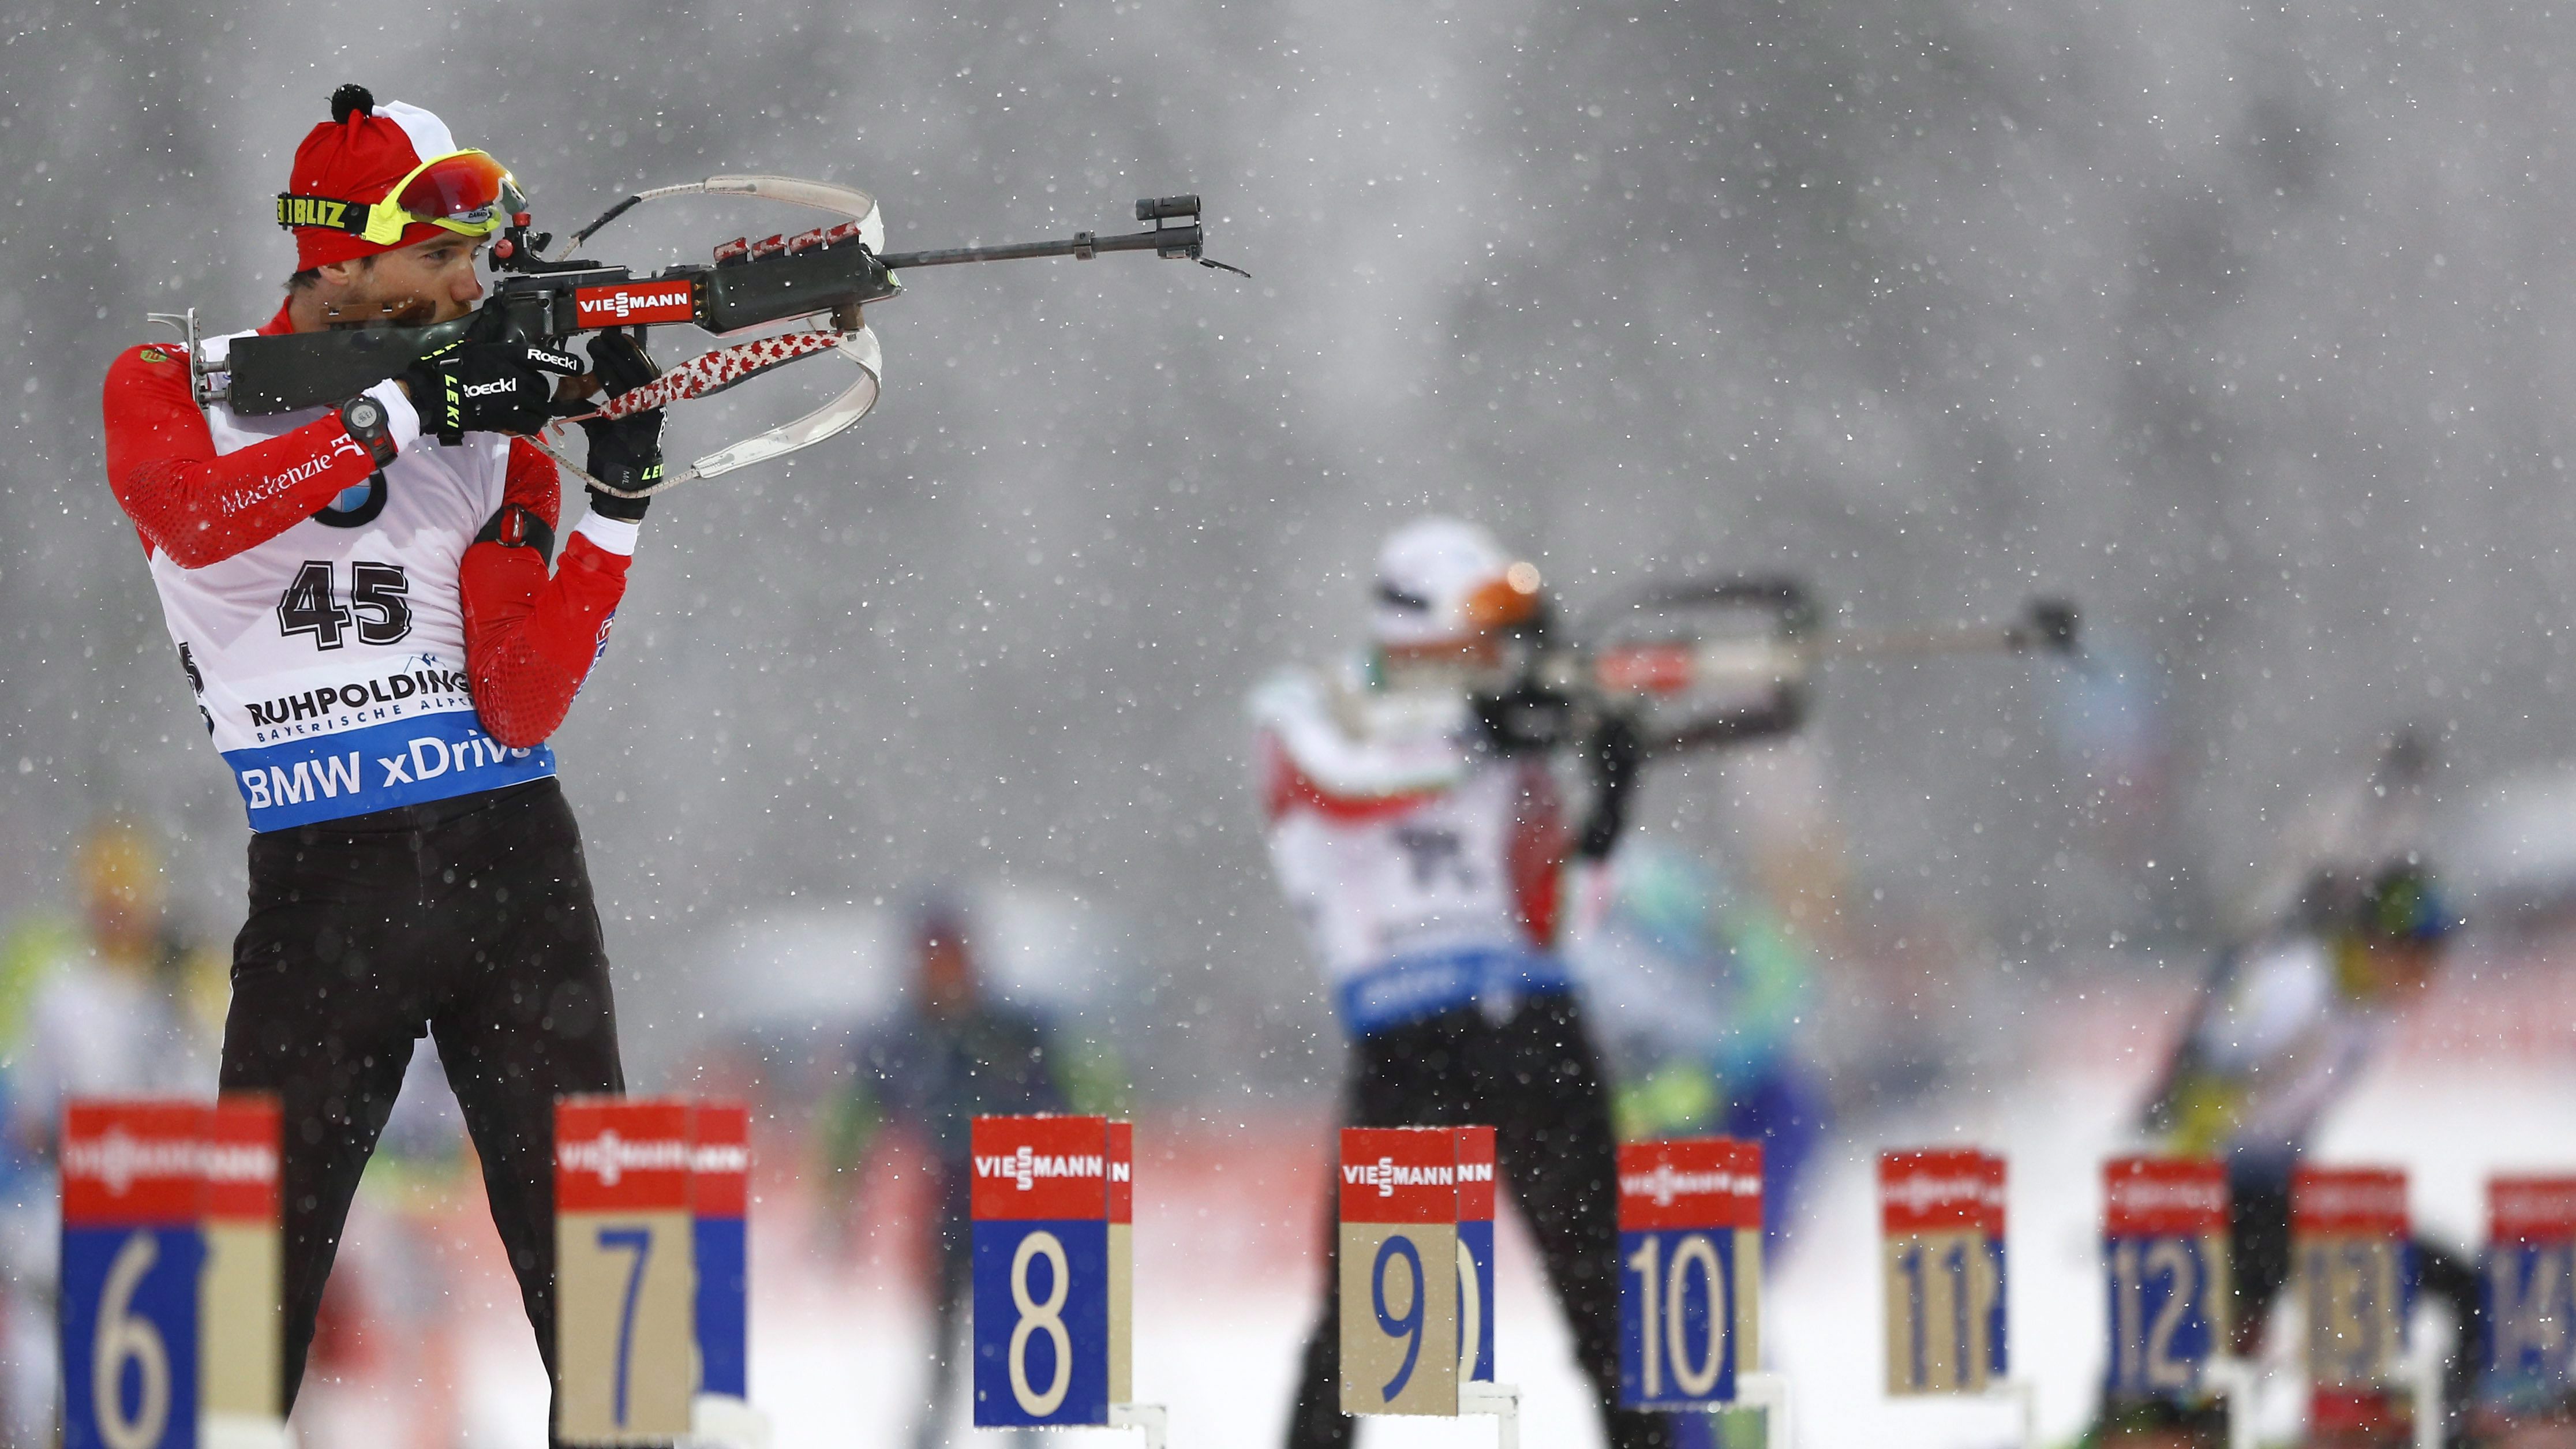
<point>625,453</point>
<point>1526,718</point>
<point>1617,752</point>
<point>486,387</point>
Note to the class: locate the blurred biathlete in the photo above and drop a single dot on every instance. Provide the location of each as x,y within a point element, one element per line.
<point>1419,834</point>
<point>361,602</point>
<point>2283,1030</point>
<point>955,1052</point>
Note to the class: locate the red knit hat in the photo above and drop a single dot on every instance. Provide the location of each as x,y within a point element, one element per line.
<point>356,157</point>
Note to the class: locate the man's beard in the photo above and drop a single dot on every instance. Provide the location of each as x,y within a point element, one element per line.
<point>394,311</point>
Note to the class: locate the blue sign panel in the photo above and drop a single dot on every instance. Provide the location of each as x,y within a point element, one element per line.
<point>1041,1322</point>
<point>129,1321</point>
<point>1677,1310</point>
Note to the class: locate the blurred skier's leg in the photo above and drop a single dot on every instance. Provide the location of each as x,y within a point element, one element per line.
<point>1551,1115</point>
<point>1407,1076</point>
<point>528,1016</point>
<point>2455,1283</point>
<point>2259,1248</point>
<point>952,1295</point>
<point>321,1016</point>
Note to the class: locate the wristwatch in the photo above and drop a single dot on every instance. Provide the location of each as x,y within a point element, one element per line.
<point>365,419</point>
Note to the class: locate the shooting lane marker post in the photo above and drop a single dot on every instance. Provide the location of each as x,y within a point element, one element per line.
<point>2355,1271</point>
<point>1477,1391</point>
<point>1398,1197</point>
<point>721,1415</point>
<point>625,1276</point>
<point>1053,1205</point>
<point>1475,1254</point>
<point>1690,1283</point>
<point>1941,1227</point>
<point>2526,1303</point>
<point>241,1356</point>
<point>169,1286</point>
<point>2165,1257</point>
<point>1147,1419</point>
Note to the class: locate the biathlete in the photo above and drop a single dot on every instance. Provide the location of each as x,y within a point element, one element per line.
<point>361,602</point>
<point>1418,831</point>
<point>2283,1030</point>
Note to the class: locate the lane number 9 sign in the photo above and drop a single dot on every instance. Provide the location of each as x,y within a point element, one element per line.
<point>1401,1270</point>
<point>1690,1250</point>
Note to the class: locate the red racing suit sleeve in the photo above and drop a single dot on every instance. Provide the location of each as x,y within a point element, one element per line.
<point>193,504</point>
<point>531,638</point>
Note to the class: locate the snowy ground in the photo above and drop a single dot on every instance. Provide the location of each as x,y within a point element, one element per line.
<point>837,1350</point>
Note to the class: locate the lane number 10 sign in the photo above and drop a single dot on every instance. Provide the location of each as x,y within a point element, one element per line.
<point>1690,1286</point>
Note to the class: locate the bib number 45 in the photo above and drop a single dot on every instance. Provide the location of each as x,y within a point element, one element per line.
<point>376,608</point>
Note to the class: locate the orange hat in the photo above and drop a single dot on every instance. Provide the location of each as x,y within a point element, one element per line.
<point>356,157</point>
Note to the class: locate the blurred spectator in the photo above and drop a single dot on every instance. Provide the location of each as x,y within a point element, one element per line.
<point>950,1054</point>
<point>115,1003</point>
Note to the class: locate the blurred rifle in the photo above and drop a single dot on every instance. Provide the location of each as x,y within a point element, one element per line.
<point>1708,662</point>
<point>827,274</point>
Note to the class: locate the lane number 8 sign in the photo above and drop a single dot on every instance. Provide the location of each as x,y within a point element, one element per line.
<point>1050,1286</point>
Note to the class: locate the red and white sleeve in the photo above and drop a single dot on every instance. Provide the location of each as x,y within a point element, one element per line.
<point>531,638</point>
<point>200,507</point>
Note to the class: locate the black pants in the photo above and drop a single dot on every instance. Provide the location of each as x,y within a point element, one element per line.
<point>470,919</point>
<point>2260,1244</point>
<point>1536,1080</point>
<point>953,1302</point>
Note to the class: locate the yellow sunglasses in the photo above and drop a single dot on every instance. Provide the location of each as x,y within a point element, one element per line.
<point>467,192</point>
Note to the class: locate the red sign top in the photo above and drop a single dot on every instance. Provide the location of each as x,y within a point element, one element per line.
<point>720,1160</point>
<point>242,1160</point>
<point>133,1162</point>
<point>2531,1209</point>
<point>622,1154</point>
<point>1475,1174</point>
<point>1701,1182</point>
<point>2159,1196</point>
<point>1399,1175</point>
<point>1940,1188</point>
<point>1122,1172</point>
<point>2357,1201</point>
<point>1041,1167</point>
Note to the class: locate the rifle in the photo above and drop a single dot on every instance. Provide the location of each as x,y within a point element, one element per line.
<point>829,273</point>
<point>1707,662</point>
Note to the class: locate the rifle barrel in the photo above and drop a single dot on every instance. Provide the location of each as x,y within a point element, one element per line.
<point>1170,240</point>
